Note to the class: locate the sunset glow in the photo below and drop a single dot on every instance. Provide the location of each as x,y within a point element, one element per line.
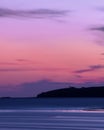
<point>51,40</point>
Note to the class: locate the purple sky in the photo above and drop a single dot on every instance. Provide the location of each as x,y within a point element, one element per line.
<point>50,44</point>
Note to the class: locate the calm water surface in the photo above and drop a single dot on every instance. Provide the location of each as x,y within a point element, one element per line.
<point>52,114</point>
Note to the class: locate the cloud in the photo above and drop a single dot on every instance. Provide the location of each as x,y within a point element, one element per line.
<point>100,28</point>
<point>100,8</point>
<point>32,69</point>
<point>27,61</point>
<point>34,13</point>
<point>8,63</point>
<point>99,33</point>
<point>102,54</point>
<point>16,69</point>
<point>90,68</point>
<point>22,60</point>
<point>31,89</point>
<point>15,63</point>
<point>79,76</point>
<point>19,62</point>
<point>34,88</point>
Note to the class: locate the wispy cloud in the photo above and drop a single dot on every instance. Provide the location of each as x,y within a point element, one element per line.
<point>101,8</point>
<point>8,63</point>
<point>78,76</point>
<point>99,33</point>
<point>102,54</point>
<point>32,69</point>
<point>19,62</point>
<point>31,89</point>
<point>34,13</point>
<point>26,61</point>
<point>90,68</point>
<point>99,28</point>
<point>22,60</point>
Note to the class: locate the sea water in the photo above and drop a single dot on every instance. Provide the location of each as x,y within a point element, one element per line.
<point>52,114</point>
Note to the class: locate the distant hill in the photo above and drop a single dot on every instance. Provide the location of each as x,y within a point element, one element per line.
<point>74,92</point>
<point>5,97</point>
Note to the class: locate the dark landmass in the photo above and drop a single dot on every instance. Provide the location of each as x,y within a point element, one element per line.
<point>74,92</point>
<point>17,97</point>
<point>5,97</point>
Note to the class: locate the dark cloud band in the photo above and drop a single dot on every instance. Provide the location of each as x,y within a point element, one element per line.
<point>90,68</point>
<point>35,13</point>
<point>100,28</point>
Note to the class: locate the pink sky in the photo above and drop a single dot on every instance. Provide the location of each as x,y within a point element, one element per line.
<point>53,44</point>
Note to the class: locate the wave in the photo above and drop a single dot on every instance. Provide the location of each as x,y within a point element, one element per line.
<point>78,110</point>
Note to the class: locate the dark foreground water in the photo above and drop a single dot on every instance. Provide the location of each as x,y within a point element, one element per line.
<point>52,114</point>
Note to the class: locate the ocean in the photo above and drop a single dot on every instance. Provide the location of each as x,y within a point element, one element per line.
<point>52,114</point>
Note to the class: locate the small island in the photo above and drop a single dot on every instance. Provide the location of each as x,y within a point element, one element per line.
<point>74,92</point>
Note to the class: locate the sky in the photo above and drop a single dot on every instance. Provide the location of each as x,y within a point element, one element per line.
<point>50,44</point>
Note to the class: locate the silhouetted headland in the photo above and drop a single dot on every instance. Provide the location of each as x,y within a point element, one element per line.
<point>5,97</point>
<point>74,92</point>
